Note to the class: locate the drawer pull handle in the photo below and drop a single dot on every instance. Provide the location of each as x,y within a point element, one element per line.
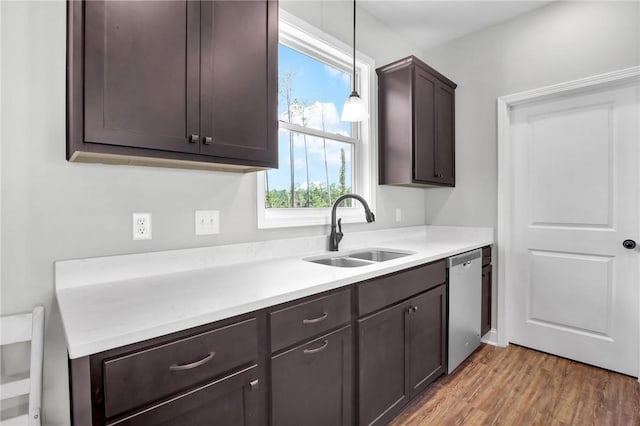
<point>316,320</point>
<point>181,367</point>
<point>316,350</point>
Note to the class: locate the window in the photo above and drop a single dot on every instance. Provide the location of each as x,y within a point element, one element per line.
<point>320,156</point>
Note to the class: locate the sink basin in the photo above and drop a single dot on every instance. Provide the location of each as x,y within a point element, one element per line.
<point>342,262</point>
<point>378,255</point>
<point>359,258</point>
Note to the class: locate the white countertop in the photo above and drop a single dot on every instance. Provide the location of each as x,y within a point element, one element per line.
<point>114,301</point>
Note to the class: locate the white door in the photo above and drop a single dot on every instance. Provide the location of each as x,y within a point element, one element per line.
<point>573,286</point>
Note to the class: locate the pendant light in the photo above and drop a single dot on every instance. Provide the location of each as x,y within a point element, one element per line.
<point>354,108</point>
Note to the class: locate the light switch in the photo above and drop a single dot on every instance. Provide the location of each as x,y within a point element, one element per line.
<point>207,222</point>
<point>398,214</point>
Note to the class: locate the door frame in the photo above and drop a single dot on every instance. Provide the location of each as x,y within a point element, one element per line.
<point>505,174</point>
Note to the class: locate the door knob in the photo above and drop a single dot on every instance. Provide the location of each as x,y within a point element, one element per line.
<point>629,244</point>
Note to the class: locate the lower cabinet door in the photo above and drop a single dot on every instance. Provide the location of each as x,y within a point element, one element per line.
<point>427,338</point>
<point>233,400</point>
<point>312,383</point>
<point>486,299</point>
<point>383,365</point>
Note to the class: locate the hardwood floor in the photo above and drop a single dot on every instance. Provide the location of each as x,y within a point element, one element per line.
<point>520,386</point>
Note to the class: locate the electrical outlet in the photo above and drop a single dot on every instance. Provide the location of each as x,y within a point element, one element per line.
<point>141,226</point>
<point>207,222</point>
<point>398,214</point>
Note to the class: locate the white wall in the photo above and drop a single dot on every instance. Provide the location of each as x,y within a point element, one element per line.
<point>560,42</point>
<point>52,209</point>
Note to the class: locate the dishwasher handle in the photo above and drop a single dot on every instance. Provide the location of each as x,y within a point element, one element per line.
<point>464,259</point>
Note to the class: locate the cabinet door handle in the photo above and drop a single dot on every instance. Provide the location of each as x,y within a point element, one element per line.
<point>208,140</point>
<point>316,350</point>
<point>194,138</point>
<point>253,385</point>
<point>316,320</point>
<point>181,367</point>
<point>415,309</point>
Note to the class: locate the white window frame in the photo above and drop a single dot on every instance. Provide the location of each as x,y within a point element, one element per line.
<point>307,39</point>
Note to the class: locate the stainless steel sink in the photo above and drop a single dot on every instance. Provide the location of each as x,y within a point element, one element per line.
<point>359,258</point>
<point>378,255</point>
<point>342,262</point>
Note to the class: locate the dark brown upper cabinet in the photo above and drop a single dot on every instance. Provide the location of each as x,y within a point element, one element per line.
<point>416,108</point>
<point>173,83</point>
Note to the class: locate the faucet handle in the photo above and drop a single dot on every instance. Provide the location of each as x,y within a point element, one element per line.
<point>339,233</point>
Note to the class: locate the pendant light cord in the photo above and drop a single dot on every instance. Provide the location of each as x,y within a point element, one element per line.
<point>354,47</point>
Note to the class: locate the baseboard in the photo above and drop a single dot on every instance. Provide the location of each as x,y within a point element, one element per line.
<point>491,338</point>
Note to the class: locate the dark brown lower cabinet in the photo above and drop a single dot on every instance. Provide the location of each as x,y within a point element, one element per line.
<point>382,364</point>
<point>401,350</point>
<point>312,383</point>
<point>427,338</point>
<point>307,362</point>
<point>233,400</point>
<point>486,299</point>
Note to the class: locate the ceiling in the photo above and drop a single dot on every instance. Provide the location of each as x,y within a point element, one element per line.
<point>428,23</point>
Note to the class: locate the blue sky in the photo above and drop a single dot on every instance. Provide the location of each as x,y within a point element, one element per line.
<point>322,90</point>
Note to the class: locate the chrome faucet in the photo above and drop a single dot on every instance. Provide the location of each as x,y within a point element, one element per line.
<point>336,236</point>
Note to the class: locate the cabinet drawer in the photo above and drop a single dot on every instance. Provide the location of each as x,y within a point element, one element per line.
<point>232,400</point>
<point>298,322</point>
<point>142,377</point>
<point>389,289</point>
<point>486,255</point>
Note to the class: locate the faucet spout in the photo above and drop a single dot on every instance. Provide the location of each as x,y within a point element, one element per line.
<point>336,234</point>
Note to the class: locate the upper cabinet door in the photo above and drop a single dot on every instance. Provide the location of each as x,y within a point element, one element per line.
<point>141,62</point>
<point>424,103</point>
<point>445,125</point>
<point>239,80</point>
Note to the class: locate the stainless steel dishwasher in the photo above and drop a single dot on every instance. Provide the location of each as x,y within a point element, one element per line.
<point>465,293</point>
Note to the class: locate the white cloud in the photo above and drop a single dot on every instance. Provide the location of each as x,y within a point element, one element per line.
<point>334,72</point>
<point>319,116</point>
<point>299,164</point>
